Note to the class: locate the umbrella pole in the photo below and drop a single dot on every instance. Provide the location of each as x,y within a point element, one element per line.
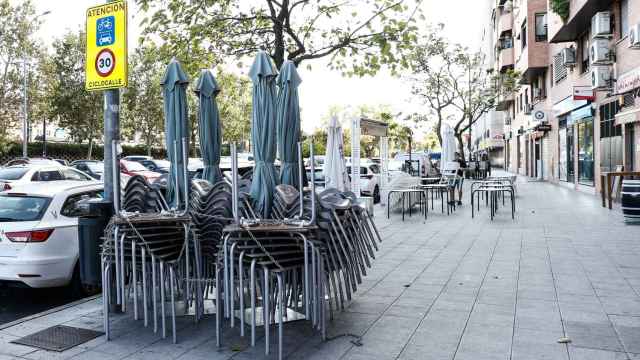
<point>115,169</point>
<point>300,182</point>
<point>185,155</point>
<point>313,184</point>
<point>234,183</point>
<point>177,187</point>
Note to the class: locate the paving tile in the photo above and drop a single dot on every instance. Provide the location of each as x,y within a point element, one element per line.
<point>629,329</point>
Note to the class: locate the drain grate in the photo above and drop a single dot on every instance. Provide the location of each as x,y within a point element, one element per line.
<point>58,338</point>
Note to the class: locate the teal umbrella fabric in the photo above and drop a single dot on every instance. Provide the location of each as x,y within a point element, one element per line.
<point>288,120</point>
<point>209,131</point>
<point>263,133</point>
<point>176,124</point>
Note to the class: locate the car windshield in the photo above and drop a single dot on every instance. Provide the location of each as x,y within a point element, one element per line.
<point>135,166</point>
<point>22,208</point>
<point>12,173</point>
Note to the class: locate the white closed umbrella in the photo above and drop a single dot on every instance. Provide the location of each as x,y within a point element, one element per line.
<point>448,145</point>
<point>335,171</point>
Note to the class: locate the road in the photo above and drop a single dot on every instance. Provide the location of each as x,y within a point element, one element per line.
<point>16,303</point>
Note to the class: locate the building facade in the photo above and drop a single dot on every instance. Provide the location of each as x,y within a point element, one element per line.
<point>576,110</point>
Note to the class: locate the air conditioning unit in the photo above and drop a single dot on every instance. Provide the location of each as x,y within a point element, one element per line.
<point>601,24</point>
<point>600,77</point>
<point>527,109</point>
<point>599,52</point>
<point>539,116</point>
<point>569,57</point>
<point>634,36</point>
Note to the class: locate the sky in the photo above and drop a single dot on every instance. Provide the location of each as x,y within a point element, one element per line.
<point>321,88</point>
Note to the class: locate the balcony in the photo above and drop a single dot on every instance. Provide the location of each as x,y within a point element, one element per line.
<point>505,59</point>
<point>504,101</point>
<point>580,14</point>
<point>505,22</point>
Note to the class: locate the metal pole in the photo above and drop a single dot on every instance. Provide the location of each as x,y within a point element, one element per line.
<point>44,137</point>
<point>111,135</point>
<point>25,119</point>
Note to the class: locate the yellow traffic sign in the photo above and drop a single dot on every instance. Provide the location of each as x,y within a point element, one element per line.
<point>106,55</point>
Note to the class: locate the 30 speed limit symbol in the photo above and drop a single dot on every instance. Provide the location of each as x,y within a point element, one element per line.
<point>105,62</point>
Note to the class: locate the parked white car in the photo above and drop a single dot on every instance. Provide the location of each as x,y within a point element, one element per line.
<point>23,174</point>
<point>39,232</point>
<point>369,179</point>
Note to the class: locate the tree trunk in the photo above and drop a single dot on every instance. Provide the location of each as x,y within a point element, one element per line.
<point>460,144</point>
<point>90,148</point>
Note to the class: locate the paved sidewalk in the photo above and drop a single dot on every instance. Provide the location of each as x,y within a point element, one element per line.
<point>448,288</point>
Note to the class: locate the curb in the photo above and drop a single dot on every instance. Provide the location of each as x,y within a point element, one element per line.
<point>48,312</point>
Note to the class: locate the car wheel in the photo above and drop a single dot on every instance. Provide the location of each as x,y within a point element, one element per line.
<point>376,195</point>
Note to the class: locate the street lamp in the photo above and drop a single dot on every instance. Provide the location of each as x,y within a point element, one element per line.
<point>25,120</point>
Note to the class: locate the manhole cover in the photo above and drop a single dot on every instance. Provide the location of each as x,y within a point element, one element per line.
<point>58,338</point>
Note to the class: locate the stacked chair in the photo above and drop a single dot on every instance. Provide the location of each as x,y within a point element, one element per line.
<point>308,258</point>
<point>149,255</point>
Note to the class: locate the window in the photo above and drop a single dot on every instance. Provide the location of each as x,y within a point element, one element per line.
<point>559,70</point>
<point>584,53</point>
<point>505,42</point>
<point>624,18</point>
<point>375,169</point>
<point>607,120</point>
<point>72,208</point>
<point>541,27</point>
<point>12,173</point>
<point>70,174</point>
<point>47,175</point>
<point>523,34</point>
<point>22,208</point>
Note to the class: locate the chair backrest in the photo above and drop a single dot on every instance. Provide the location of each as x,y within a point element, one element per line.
<point>450,167</point>
<point>450,172</point>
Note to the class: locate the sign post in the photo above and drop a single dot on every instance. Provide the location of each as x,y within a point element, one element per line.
<point>106,69</point>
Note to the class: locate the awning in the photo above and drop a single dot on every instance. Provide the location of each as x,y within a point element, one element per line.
<point>628,117</point>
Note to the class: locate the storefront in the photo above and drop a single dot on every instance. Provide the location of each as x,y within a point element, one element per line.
<point>628,118</point>
<point>583,118</point>
<point>575,121</point>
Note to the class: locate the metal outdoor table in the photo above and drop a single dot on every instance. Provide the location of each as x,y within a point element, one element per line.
<point>492,188</point>
<point>606,184</point>
<point>421,194</point>
<point>441,188</point>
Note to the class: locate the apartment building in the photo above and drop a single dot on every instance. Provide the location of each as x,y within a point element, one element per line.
<point>576,111</point>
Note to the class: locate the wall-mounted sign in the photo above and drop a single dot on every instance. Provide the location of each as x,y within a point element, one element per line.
<point>543,127</point>
<point>583,93</point>
<point>106,52</point>
<point>628,81</point>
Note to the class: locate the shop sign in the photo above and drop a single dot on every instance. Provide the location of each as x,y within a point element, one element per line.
<point>628,81</point>
<point>627,117</point>
<point>567,105</point>
<point>543,127</point>
<point>583,93</point>
<point>106,46</point>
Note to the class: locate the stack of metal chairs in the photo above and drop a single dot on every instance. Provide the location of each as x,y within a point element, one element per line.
<point>347,230</point>
<point>149,255</point>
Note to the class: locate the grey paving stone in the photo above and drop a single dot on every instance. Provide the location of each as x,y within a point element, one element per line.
<point>629,329</point>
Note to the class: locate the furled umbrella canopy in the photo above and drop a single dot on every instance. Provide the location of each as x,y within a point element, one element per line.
<point>335,171</point>
<point>176,124</point>
<point>448,145</point>
<point>209,131</point>
<point>288,120</point>
<point>263,133</point>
